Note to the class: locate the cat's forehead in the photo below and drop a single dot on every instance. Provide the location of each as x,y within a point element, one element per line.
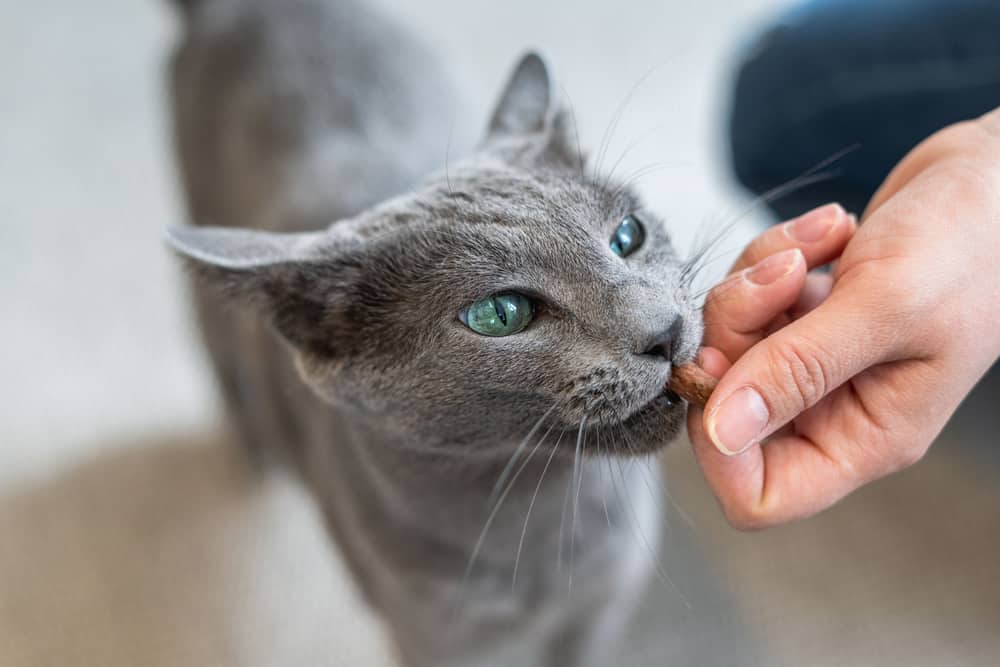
<point>560,199</point>
<point>485,222</point>
<point>478,230</point>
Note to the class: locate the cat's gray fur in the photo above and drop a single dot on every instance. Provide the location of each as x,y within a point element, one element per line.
<point>351,362</point>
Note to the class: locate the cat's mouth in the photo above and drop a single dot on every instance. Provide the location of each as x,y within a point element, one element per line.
<point>665,400</point>
<point>671,396</point>
<point>650,428</point>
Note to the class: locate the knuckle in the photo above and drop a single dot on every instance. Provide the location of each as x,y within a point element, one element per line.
<point>918,329</point>
<point>766,245</point>
<point>714,302</point>
<point>956,138</point>
<point>801,372</point>
<point>912,313</point>
<point>885,456</point>
<point>960,132</point>
<point>989,125</point>
<point>906,457</point>
<point>723,303</point>
<point>759,248</point>
<point>745,518</point>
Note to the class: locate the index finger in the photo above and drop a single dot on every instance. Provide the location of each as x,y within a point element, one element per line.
<point>820,234</point>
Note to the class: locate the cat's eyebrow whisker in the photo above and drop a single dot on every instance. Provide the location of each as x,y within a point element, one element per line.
<point>628,149</point>
<point>447,154</point>
<point>641,173</point>
<point>531,504</point>
<point>576,132</point>
<point>608,135</point>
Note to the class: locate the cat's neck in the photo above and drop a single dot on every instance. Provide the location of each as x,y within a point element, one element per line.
<point>428,490</point>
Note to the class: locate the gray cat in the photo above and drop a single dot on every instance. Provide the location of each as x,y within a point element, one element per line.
<point>467,366</point>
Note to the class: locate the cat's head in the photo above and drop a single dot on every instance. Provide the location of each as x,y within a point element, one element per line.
<point>512,287</point>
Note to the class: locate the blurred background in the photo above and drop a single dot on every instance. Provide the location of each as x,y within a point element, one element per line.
<point>132,533</point>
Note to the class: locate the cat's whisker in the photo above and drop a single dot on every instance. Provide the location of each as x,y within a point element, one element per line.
<point>681,512</point>
<point>604,491</point>
<point>653,460</point>
<point>657,565</point>
<point>642,173</point>
<point>531,505</point>
<point>611,478</point>
<point>574,525</point>
<point>809,177</point>
<point>447,155</point>
<point>562,523</point>
<point>718,258</point>
<point>609,177</point>
<point>576,132</point>
<point>505,473</point>
<point>568,497</point>
<point>696,263</point>
<point>497,505</point>
<point>724,287</point>
<point>608,135</point>
<point>661,492</point>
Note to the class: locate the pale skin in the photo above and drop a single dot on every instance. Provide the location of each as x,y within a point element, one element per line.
<point>831,381</point>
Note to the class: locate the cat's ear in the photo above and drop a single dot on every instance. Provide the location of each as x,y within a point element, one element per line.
<point>296,280</point>
<point>529,106</point>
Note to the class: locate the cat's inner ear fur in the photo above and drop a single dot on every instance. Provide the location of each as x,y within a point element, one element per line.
<point>294,280</point>
<point>529,108</point>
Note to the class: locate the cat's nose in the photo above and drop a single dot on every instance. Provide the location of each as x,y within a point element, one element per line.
<point>661,343</point>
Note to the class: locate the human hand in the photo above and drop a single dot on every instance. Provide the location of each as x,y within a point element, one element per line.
<point>848,377</point>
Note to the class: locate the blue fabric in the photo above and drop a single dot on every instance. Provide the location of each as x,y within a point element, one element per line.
<point>884,74</point>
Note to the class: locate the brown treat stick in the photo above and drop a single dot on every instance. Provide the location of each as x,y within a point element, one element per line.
<point>692,384</point>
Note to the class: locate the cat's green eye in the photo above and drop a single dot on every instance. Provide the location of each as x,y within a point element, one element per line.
<point>628,237</point>
<point>499,315</point>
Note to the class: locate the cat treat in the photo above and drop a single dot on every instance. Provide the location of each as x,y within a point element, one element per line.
<point>692,384</point>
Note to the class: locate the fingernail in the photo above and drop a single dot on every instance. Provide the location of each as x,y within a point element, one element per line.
<point>775,267</point>
<point>737,423</point>
<point>816,224</point>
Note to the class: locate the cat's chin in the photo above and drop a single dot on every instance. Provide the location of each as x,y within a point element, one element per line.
<point>648,430</point>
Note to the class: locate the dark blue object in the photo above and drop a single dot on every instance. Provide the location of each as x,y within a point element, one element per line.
<point>882,74</point>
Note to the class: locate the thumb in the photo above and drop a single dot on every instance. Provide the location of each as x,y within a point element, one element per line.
<point>792,370</point>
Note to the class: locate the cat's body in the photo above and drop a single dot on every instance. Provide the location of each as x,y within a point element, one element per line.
<point>292,114</point>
